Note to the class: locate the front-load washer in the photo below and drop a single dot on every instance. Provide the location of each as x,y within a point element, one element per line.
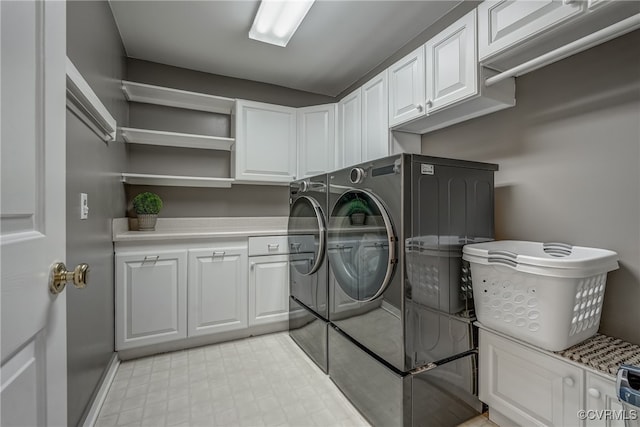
<point>308,267</point>
<point>395,225</point>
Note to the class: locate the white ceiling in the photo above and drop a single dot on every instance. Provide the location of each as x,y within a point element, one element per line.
<point>338,42</point>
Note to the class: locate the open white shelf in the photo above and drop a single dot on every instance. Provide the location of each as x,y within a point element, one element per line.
<point>150,94</point>
<point>176,181</point>
<point>175,139</point>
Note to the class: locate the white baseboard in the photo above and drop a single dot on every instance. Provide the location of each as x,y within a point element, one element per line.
<point>98,401</point>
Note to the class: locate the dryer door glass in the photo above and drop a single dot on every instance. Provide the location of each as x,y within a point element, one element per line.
<point>306,235</point>
<point>361,245</point>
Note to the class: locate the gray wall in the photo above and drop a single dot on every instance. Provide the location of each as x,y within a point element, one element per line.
<point>196,81</point>
<point>569,156</point>
<point>240,200</point>
<point>94,46</point>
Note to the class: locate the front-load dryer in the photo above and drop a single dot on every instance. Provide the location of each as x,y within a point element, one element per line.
<point>398,305</point>
<point>308,267</point>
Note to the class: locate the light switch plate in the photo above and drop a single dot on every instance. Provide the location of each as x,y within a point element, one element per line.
<point>84,206</point>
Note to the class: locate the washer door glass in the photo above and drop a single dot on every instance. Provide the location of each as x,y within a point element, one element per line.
<point>306,232</point>
<point>361,245</point>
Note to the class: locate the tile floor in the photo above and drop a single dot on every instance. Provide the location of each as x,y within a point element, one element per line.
<point>259,381</point>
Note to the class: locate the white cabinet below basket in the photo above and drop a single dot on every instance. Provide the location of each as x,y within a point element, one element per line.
<point>265,147</point>
<point>217,289</point>
<point>524,385</point>
<point>151,293</point>
<point>268,289</point>
<point>527,386</point>
<point>601,396</point>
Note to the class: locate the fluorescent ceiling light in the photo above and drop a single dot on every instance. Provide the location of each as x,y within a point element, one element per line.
<point>277,20</point>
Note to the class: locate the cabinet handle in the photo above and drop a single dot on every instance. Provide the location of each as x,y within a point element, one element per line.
<point>154,258</point>
<point>419,107</point>
<point>218,253</point>
<point>429,104</point>
<point>272,246</point>
<point>594,392</point>
<point>569,381</point>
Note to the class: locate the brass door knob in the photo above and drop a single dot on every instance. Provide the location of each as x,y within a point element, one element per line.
<point>60,277</point>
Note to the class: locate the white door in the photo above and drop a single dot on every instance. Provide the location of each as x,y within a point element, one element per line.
<point>316,139</point>
<point>406,88</point>
<point>217,290</point>
<point>452,66</point>
<point>349,130</point>
<point>265,147</point>
<point>503,24</point>
<point>32,222</point>
<point>268,289</point>
<point>375,118</point>
<point>151,298</point>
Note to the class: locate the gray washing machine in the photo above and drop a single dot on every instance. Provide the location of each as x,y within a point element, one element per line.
<point>399,299</point>
<point>308,269</point>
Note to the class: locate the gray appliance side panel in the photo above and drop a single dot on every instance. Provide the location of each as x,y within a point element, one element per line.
<point>382,396</point>
<point>310,333</point>
<point>446,395</point>
<point>453,202</point>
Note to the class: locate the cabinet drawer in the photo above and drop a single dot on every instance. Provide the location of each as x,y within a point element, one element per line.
<point>268,245</point>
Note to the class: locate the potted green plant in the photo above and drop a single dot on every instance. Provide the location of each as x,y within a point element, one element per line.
<point>147,206</point>
<point>357,211</point>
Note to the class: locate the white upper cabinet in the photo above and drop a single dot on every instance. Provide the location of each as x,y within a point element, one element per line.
<point>406,88</point>
<point>452,64</point>
<point>265,142</point>
<point>316,139</point>
<point>503,24</point>
<point>349,150</point>
<point>375,118</point>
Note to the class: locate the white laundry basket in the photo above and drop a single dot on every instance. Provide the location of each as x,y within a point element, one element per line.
<point>547,294</point>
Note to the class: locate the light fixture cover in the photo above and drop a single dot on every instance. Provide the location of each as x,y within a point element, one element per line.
<point>277,20</point>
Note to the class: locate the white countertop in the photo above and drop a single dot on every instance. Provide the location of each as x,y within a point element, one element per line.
<point>201,228</point>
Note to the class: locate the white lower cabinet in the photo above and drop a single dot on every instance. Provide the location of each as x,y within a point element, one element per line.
<point>151,297</point>
<point>601,397</point>
<point>527,386</point>
<point>268,289</point>
<point>217,297</point>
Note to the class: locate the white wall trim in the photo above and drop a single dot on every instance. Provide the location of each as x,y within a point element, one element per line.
<point>98,401</point>
<point>86,105</point>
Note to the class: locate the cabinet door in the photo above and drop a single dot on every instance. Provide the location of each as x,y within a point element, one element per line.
<point>375,118</point>
<point>452,64</point>
<point>503,24</point>
<point>601,396</point>
<point>316,139</point>
<point>268,289</point>
<point>265,148</point>
<point>349,130</point>
<point>406,88</point>
<point>217,290</point>
<point>151,298</point>
<point>527,386</point>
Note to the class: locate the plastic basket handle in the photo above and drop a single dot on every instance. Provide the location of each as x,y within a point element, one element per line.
<point>501,253</point>
<point>505,261</point>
